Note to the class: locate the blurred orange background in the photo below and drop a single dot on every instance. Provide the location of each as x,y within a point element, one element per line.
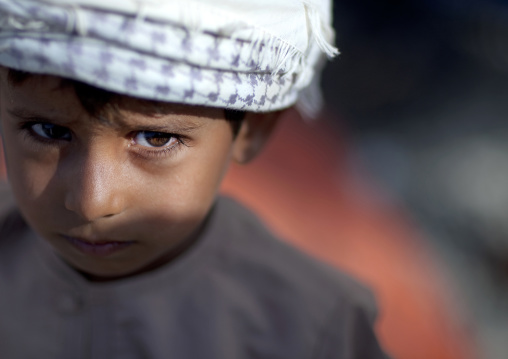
<point>304,189</point>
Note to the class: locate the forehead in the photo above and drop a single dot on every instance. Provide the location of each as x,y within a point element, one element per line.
<point>53,94</point>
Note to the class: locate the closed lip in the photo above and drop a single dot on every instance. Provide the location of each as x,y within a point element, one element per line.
<point>101,248</point>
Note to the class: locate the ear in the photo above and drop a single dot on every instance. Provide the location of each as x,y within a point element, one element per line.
<point>254,132</point>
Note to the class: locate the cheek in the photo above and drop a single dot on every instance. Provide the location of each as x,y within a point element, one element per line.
<point>25,158</point>
<point>29,186</point>
<point>187,190</point>
<point>29,175</point>
<point>208,168</point>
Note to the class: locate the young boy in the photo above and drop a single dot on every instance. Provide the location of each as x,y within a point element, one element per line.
<point>119,120</point>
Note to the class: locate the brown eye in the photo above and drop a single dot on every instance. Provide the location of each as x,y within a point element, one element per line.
<point>154,139</point>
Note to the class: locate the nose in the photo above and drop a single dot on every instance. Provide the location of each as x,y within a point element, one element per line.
<point>94,186</point>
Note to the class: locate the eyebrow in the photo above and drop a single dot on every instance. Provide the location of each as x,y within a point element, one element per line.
<point>172,127</point>
<point>26,114</point>
<point>22,112</point>
<point>158,123</point>
<point>176,124</point>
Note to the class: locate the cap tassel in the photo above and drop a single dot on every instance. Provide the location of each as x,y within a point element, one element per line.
<point>320,30</point>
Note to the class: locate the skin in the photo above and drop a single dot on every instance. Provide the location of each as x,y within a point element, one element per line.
<point>103,180</point>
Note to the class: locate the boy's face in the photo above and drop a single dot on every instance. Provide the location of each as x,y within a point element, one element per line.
<point>113,196</point>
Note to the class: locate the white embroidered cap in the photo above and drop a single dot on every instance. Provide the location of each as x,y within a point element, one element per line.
<point>240,54</point>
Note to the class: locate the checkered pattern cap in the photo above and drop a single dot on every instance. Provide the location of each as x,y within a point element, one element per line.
<point>240,54</point>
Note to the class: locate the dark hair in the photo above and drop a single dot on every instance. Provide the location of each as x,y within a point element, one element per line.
<point>94,99</point>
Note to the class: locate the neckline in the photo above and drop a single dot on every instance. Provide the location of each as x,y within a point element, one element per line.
<point>177,272</point>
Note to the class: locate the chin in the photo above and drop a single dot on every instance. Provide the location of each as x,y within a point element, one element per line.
<point>103,269</point>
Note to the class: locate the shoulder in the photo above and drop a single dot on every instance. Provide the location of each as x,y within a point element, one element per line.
<point>317,303</point>
<point>254,249</point>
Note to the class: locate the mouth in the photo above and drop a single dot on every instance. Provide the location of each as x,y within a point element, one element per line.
<point>97,248</point>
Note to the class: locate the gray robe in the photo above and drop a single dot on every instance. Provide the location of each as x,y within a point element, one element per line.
<point>237,293</point>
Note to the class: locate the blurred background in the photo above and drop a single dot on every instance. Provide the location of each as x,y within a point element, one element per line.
<point>422,89</point>
<point>402,182</point>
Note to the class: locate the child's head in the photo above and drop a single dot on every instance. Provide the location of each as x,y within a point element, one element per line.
<point>120,176</point>
<point>138,174</point>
